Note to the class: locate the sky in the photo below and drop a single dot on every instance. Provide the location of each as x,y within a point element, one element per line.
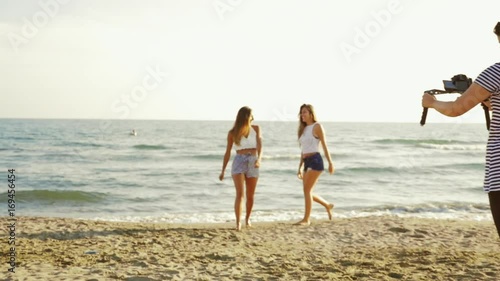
<point>354,61</point>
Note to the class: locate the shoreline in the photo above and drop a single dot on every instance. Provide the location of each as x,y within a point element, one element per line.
<point>287,215</point>
<point>363,248</point>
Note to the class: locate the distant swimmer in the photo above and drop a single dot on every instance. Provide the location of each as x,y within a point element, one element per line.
<point>133,133</point>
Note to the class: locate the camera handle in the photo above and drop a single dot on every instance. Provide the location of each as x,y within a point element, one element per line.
<point>486,115</point>
<point>424,112</point>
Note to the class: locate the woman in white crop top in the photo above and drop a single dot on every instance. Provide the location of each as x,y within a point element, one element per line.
<point>311,134</point>
<point>247,141</point>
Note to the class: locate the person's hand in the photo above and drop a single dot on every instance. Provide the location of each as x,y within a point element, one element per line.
<point>221,176</point>
<point>487,103</point>
<point>331,169</point>
<point>299,174</point>
<point>257,163</point>
<point>428,100</point>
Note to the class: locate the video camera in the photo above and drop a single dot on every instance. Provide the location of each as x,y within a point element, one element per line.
<point>458,84</point>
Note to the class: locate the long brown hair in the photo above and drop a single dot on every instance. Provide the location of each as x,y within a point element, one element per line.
<point>241,126</point>
<point>303,124</point>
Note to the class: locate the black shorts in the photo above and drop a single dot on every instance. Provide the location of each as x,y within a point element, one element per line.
<point>314,162</point>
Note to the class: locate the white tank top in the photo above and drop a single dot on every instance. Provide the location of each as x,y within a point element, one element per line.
<point>247,142</point>
<point>308,142</point>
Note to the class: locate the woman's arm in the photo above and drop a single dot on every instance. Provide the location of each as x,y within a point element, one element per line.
<point>470,98</point>
<point>227,155</point>
<point>320,133</point>
<point>259,145</point>
<point>299,173</point>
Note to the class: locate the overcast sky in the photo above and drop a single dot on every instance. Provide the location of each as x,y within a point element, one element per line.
<point>356,61</point>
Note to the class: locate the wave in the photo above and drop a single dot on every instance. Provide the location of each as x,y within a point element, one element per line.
<point>58,196</point>
<point>337,155</point>
<point>281,157</point>
<point>208,156</point>
<point>59,156</point>
<point>264,157</point>
<point>438,207</point>
<point>150,147</point>
<point>15,138</point>
<point>81,144</point>
<point>417,141</point>
<point>411,168</point>
<point>464,147</point>
<point>434,144</point>
<point>278,172</point>
<point>369,170</point>
<point>421,141</point>
<point>462,166</point>
<point>458,211</point>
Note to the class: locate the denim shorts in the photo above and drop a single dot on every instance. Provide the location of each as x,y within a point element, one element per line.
<point>314,162</point>
<point>245,164</point>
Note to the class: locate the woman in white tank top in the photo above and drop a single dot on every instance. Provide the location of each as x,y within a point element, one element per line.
<point>311,134</point>
<point>247,142</point>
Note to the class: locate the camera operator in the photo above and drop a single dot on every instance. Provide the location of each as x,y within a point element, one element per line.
<point>486,89</point>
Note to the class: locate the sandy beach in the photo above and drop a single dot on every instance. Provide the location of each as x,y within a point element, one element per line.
<point>369,248</point>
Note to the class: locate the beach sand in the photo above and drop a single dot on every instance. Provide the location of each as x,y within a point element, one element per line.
<point>368,248</point>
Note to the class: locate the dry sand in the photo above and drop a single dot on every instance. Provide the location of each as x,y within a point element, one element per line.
<point>371,248</point>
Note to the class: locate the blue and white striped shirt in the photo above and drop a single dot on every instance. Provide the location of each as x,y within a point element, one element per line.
<point>490,80</point>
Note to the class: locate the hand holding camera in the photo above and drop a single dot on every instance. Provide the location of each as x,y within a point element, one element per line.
<point>458,84</point>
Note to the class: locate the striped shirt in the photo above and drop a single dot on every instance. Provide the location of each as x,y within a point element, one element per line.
<point>490,80</point>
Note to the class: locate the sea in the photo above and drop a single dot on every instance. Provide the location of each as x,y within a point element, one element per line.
<point>168,172</point>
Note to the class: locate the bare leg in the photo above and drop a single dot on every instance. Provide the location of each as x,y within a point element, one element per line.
<point>309,179</point>
<point>494,197</point>
<point>251,183</point>
<point>325,204</point>
<point>239,181</point>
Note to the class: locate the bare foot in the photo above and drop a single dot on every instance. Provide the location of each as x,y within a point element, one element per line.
<point>238,227</point>
<point>329,209</point>
<point>303,222</point>
<point>248,224</point>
